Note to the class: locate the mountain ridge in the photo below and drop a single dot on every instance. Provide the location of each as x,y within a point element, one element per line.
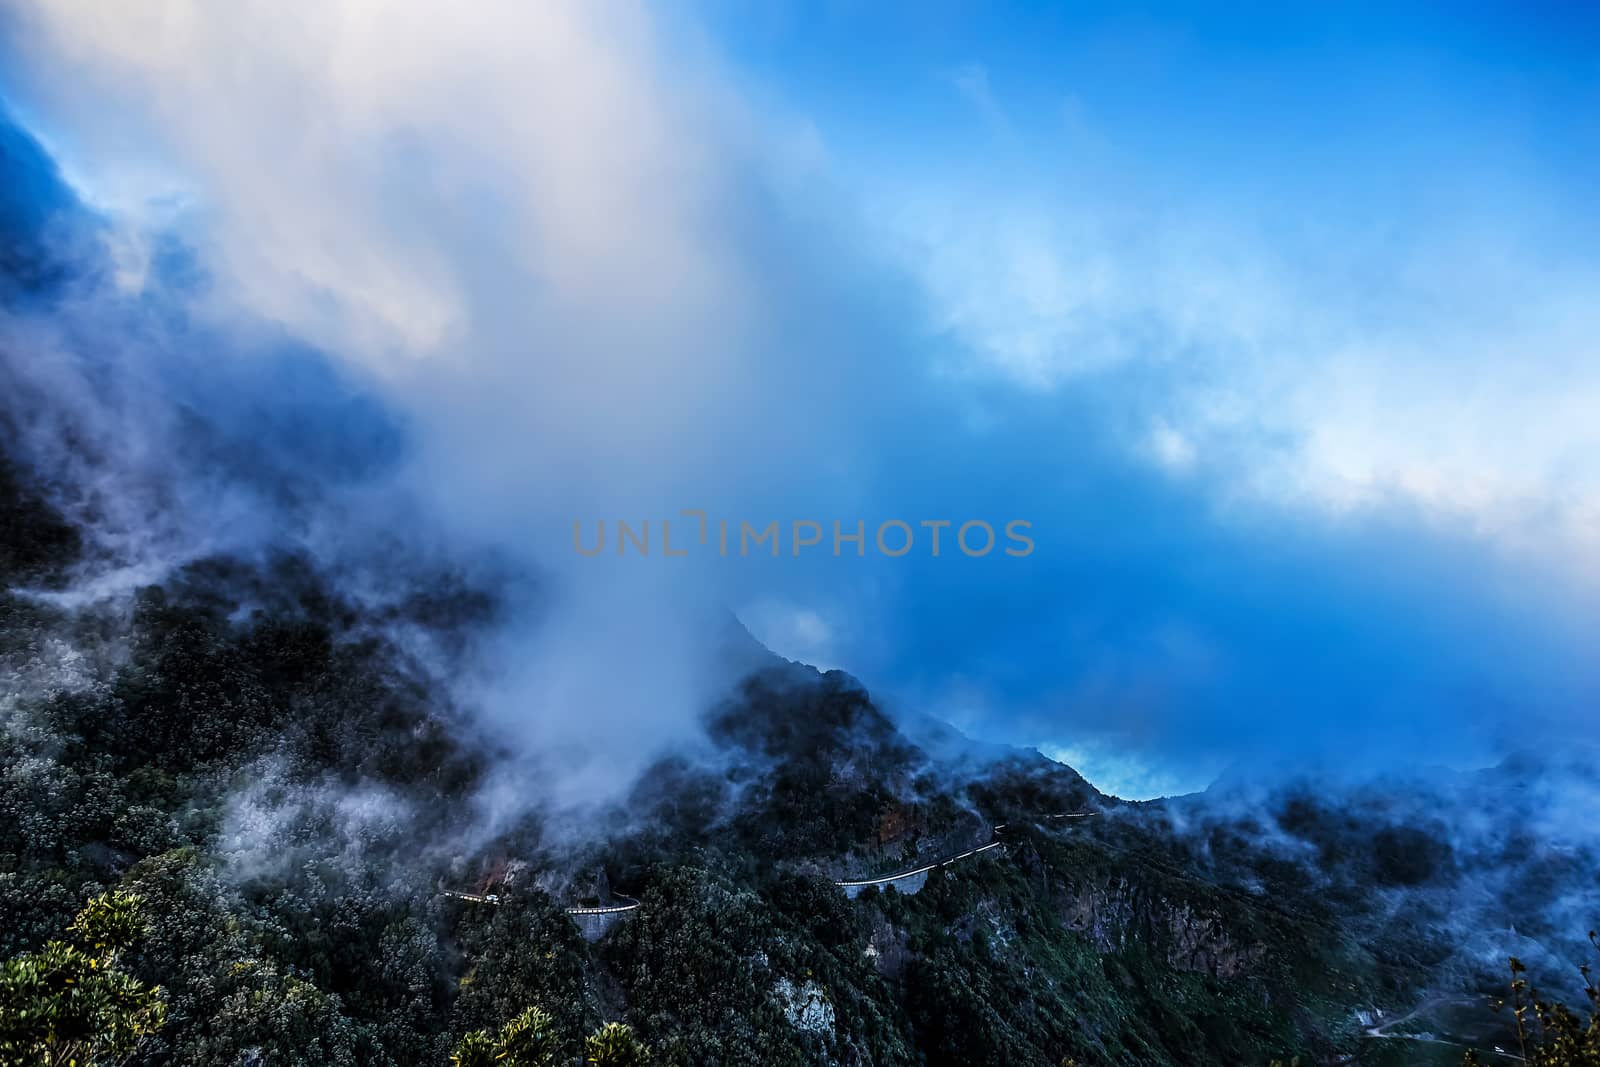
<point>274,757</point>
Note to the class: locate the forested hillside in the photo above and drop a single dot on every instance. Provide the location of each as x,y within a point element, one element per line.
<point>256,772</point>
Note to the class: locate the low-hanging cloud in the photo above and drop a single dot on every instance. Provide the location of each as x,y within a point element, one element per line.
<point>585,280</point>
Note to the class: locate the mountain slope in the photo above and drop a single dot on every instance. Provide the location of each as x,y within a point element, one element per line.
<point>267,745</point>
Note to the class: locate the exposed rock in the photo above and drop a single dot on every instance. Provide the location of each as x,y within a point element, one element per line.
<point>1112,914</point>
<point>806,1006</point>
<point>887,947</point>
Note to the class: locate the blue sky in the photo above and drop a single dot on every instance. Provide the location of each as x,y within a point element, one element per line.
<point>1282,329</point>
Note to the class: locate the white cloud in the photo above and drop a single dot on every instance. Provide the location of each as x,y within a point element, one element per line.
<point>514,221</point>
<point>555,242</point>
<point>341,153</point>
<point>1462,385</point>
<point>1170,448</point>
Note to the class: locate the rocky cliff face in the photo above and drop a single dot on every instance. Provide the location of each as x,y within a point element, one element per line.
<point>1116,912</point>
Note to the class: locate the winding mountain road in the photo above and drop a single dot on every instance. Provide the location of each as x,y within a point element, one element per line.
<point>858,884</point>
<point>476,898</point>
<point>494,899</point>
<point>886,879</point>
<point>610,909</point>
<point>1380,1031</point>
<point>851,887</point>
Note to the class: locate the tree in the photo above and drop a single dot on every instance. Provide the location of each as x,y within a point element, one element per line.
<point>68,1003</point>
<point>477,1049</point>
<point>529,1040</point>
<point>614,1045</point>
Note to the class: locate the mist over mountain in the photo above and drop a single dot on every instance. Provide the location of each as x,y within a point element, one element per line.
<point>587,264</point>
<point>295,648</point>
